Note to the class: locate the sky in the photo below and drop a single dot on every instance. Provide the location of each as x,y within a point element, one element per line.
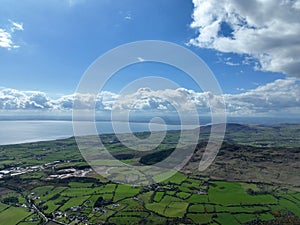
<point>252,47</point>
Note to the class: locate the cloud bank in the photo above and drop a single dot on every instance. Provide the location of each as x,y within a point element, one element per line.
<point>266,30</point>
<point>279,97</point>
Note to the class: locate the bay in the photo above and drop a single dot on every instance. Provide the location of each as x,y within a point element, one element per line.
<point>24,131</point>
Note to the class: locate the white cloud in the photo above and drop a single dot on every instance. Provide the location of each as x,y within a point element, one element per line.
<point>280,96</point>
<point>265,30</point>
<point>231,63</point>
<point>5,39</point>
<point>14,99</point>
<point>127,15</point>
<point>16,26</point>
<point>140,59</point>
<point>6,35</point>
<point>277,98</point>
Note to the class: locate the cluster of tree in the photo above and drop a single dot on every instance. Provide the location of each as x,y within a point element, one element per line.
<point>156,157</point>
<point>260,192</point>
<point>101,202</point>
<point>12,200</point>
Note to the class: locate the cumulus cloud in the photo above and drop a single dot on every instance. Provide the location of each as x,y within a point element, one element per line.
<point>147,99</point>
<point>282,95</point>
<point>279,97</point>
<point>6,35</point>
<point>14,99</point>
<point>266,30</point>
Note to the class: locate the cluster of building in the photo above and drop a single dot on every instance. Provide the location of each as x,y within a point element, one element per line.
<point>70,172</point>
<point>14,171</point>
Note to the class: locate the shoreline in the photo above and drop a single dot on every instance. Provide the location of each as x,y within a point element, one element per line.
<point>57,137</point>
<point>28,131</point>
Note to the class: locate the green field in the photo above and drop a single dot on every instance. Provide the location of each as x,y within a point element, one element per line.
<point>184,198</point>
<point>135,204</point>
<point>13,215</point>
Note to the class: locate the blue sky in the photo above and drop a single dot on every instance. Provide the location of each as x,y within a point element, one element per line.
<point>60,40</point>
<point>53,42</point>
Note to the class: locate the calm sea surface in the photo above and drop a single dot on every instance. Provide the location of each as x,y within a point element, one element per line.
<point>22,131</point>
<point>13,132</point>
